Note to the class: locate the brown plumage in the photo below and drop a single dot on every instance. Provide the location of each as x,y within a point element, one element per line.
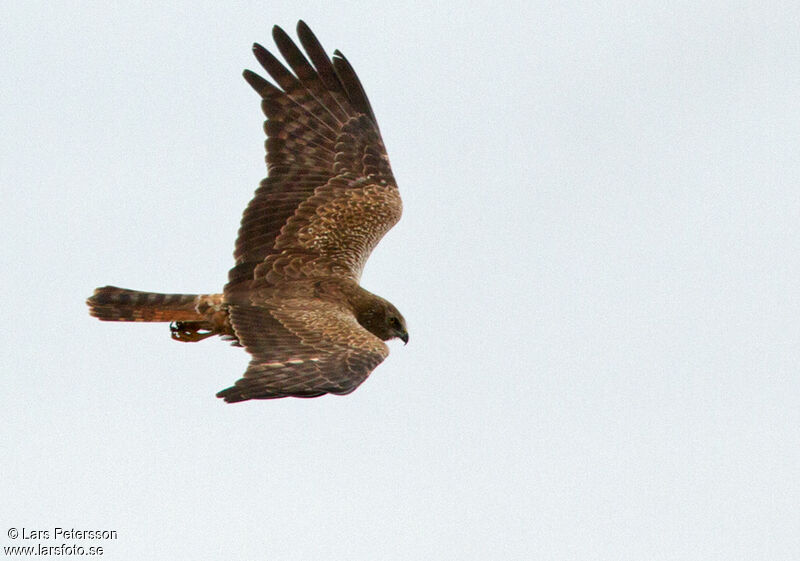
<point>292,299</point>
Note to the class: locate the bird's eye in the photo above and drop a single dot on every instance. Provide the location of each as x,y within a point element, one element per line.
<point>394,322</point>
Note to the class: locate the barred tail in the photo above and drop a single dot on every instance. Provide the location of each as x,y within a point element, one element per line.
<point>110,303</point>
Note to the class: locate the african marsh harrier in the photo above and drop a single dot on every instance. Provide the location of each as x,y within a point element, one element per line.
<point>293,299</point>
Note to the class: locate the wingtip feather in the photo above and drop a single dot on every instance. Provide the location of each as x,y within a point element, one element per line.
<point>259,84</point>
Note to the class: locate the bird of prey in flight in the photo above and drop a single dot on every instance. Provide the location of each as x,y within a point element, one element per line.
<point>293,298</point>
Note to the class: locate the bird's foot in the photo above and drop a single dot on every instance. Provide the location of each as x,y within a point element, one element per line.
<point>189,331</point>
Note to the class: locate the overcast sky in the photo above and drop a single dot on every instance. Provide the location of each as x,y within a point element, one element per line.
<point>598,261</point>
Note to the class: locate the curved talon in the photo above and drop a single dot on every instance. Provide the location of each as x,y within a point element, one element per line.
<point>189,332</point>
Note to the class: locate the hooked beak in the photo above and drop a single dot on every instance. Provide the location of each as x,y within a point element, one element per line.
<point>404,337</point>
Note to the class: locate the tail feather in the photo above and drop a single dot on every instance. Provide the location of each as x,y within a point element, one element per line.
<point>110,303</point>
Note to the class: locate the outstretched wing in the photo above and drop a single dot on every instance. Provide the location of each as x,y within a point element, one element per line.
<point>302,348</point>
<point>330,195</point>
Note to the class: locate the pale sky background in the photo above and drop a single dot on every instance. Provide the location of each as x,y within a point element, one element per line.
<point>598,261</point>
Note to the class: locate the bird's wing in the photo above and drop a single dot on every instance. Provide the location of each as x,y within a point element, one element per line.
<point>330,195</point>
<point>304,348</point>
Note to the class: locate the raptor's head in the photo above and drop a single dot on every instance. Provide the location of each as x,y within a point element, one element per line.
<point>383,320</point>
<point>396,324</point>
